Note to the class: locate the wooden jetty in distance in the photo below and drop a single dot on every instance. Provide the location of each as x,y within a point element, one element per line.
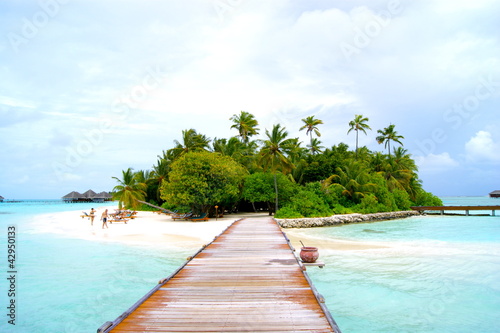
<point>467,209</point>
<point>248,279</point>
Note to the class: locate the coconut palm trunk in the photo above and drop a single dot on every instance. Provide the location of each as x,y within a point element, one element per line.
<point>276,191</point>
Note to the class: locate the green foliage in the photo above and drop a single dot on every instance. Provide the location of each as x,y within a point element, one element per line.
<point>358,124</point>
<point>339,209</point>
<point>146,208</point>
<point>191,141</point>
<point>203,179</point>
<point>387,135</point>
<point>402,199</point>
<point>307,182</point>
<point>335,196</point>
<point>310,204</point>
<point>424,198</point>
<point>246,124</point>
<point>130,189</point>
<point>287,213</point>
<point>259,187</point>
<point>381,191</point>
<point>369,204</point>
<point>353,179</point>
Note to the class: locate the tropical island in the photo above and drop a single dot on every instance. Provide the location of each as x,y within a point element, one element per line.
<point>278,174</point>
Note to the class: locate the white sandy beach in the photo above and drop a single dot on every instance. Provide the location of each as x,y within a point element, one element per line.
<point>160,230</point>
<point>298,235</point>
<point>148,228</point>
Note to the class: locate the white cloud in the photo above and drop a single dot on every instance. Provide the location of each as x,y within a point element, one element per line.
<point>16,103</point>
<point>280,60</point>
<point>436,163</point>
<point>482,148</point>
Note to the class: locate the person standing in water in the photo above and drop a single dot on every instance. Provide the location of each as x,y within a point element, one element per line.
<point>104,218</point>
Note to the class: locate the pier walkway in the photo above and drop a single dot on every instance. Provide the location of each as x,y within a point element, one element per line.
<point>247,280</point>
<point>467,209</point>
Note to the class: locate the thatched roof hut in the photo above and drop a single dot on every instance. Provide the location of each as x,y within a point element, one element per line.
<point>72,196</point>
<point>1,198</point>
<point>495,194</point>
<point>88,196</point>
<point>103,196</point>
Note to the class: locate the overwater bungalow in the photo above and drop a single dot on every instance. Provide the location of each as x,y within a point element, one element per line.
<point>1,198</point>
<point>88,196</point>
<point>103,196</point>
<point>495,194</point>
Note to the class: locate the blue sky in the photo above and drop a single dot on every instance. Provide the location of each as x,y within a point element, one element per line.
<point>90,88</point>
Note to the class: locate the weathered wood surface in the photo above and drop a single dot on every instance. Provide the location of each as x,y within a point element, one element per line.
<point>247,280</point>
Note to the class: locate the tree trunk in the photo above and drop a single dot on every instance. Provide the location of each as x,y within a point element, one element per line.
<point>356,144</point>
<point>276,191</point>
<point>311,135</point>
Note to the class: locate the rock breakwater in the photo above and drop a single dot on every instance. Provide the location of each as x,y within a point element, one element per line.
<point>343,219</point>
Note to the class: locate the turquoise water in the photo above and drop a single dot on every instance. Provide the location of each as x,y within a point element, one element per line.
<point>73,285</point>
<point>435,274</point>
<point>426,274</point>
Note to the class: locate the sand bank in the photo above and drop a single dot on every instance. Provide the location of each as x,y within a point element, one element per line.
<point>148,228</point>
<point>152,229</point>
<point>297,235</point>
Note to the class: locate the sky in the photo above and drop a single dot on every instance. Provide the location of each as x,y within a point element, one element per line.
<point>91,88</point>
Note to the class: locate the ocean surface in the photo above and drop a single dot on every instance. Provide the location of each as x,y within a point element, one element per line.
<point>426,274</point>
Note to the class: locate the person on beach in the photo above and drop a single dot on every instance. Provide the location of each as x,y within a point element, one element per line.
<point>104,218</point>
<point>92,215</point>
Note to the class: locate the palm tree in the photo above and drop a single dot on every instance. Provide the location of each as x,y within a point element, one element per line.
<point>403,160</point>
<point>232,147</point>
<point>310,125</point>
<point>387,135</point>
<point>358,124</point>
<point>129,189</point>
<point>294,150</point>
<point>352,180</point>
<point>191,141</point>
<point>399,171</point>
<point>246,124</point>
<point>273,154</point>
<point>315,146</point>
<point>158,175</point>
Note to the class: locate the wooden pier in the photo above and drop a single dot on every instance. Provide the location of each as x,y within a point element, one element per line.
<point>247,280</point>
<point>466,209</point>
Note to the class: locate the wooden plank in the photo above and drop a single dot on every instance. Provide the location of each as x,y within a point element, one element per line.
<point>247,279</point>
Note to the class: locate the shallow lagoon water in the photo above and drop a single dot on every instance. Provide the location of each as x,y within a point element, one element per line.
<point>74,285</point>
<point>434,274</point>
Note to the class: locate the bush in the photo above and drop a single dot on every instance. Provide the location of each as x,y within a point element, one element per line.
<point>309,202</point>
<point>339,209</point>
<point>287,213</point>
<point>384,197</point>
<point>146,208</point>
<point>335,197</point>
<point>259,187</point>
<point>402,199</point>
<point>424,198</point>
<point>369,204</point>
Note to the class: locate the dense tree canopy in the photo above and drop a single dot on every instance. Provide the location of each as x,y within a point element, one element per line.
<point>200,180</point>
<point>198,173</point>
